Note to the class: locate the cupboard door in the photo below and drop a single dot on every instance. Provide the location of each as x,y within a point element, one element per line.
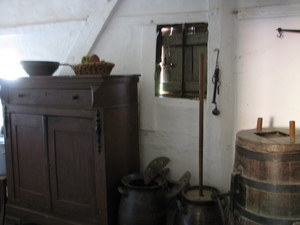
<point>30,162</point>
<point>72,168</point>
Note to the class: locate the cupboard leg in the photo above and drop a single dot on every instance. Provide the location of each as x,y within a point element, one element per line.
<point>2,198</point>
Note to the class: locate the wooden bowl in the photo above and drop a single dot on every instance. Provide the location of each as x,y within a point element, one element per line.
<point>39,68</point>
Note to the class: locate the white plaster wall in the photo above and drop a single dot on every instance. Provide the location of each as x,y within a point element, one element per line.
<point>170,127</point>
<point>50,31</point>
<point>259,3</point>
<point>267,67</point>
<point>258,71</point>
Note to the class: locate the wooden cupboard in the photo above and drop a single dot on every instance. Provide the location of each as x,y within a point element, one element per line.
<point>69,141</point>
<point>2,198</point>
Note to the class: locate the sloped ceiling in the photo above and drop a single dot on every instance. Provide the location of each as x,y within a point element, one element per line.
<point>55,30</point>
<point>92,28</point>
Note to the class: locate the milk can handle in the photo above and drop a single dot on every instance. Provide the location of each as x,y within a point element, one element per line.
<point>218,198</point>
<point>234,190</point>
<point>182,209</point>
<point>123,191</point>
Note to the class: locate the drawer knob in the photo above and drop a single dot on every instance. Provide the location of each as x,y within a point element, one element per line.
<point>75,97</point>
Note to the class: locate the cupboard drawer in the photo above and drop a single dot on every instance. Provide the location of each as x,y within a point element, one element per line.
<point>51,97</point>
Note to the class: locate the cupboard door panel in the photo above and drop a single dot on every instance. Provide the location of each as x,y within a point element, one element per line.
<point>72,169</point>
<point>30,162</point>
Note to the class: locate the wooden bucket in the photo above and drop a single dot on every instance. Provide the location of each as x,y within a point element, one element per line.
<point>266,178</point>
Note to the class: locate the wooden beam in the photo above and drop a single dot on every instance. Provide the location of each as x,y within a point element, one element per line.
<point>93,28</point>
<point>276,11</point>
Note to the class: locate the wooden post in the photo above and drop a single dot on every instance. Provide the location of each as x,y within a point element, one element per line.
<point>201,125</point>
<point>259,124</point>
<point>292,131</point>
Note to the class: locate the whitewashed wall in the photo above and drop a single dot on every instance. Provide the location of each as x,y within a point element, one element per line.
<point>170,127</point>
<point>267,66</point>
<point>258,71</point>
<point>50,30</point>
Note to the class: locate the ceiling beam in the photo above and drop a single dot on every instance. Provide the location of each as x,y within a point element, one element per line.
<point>275,11</point>
<point>93,27</point>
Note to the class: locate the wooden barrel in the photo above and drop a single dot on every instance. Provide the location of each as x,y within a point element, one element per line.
<point>267,184</point>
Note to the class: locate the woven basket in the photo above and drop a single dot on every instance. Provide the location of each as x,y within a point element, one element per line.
<point>93,68</point>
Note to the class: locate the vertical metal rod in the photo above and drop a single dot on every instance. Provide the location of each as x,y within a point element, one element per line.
<point>259,124</point>
<point>201,125</point>
<point>183,62</point>
<point>292,131</point>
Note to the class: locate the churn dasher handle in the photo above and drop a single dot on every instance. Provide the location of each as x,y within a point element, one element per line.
<point>292,131</point>
<point>259,124</point>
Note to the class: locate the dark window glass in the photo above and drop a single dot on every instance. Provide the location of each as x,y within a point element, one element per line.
<point>180,49</point>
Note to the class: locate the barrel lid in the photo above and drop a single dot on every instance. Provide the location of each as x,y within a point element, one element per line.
<point>268,140</point>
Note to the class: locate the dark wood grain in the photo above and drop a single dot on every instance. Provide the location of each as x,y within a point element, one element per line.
<point>3,198</point>
<point>269,167</point>
<point>55,172</point>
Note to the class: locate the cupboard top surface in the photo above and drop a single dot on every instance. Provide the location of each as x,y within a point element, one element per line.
<point>68,81</point>
<point>71,91</point>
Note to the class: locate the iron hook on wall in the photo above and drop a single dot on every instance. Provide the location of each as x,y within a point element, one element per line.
<point>217,83</point>
<point>280,31</point>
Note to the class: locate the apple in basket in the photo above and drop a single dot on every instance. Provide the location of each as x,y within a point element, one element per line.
<point>94,58</point>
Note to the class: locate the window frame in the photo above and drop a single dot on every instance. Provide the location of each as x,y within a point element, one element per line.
<point>185,33</point>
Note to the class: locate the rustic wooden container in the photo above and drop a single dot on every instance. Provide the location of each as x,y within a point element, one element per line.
<point>93,68</point>
<point>267,186</point>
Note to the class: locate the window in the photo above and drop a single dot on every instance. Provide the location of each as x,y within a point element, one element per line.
<point>181,49</point>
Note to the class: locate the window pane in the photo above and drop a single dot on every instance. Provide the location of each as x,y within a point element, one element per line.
<point>178,55</point>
